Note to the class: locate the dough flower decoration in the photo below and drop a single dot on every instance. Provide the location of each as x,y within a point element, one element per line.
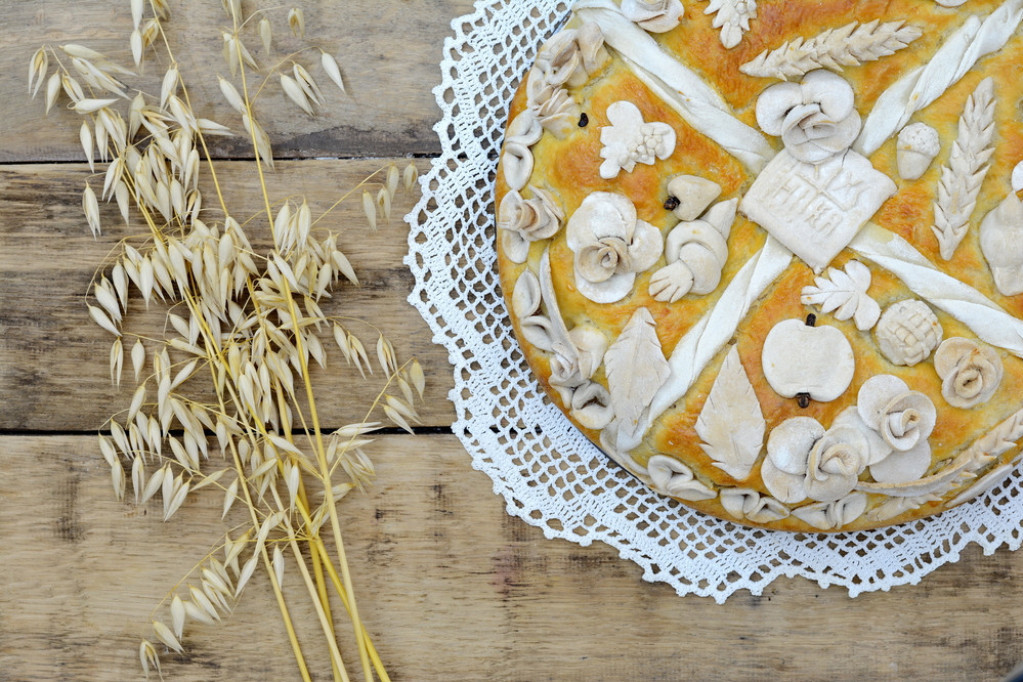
<point>970,373</point>
<point>630,140</point>
<point>528,220</point>
<point>904,419</point>
<point>611,245</point>
<point>656,16</point>
<point>553,107</point>
<point>886,431</point>
<point>568,59</point>
<point>571,56</point>
<point>832,515</point>
<point>816,119</point>
<point>805,460</point>
<point>574,364</point>
<point>749,504</point>
<point>669,476</point>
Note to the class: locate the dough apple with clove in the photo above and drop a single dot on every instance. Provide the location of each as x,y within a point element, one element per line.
<point>801,358</point>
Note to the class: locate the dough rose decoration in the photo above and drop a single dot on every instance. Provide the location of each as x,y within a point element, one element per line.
<point>575,363</point>
<point>749,504</point>
<point>831,515</point>
<point>572,366</point>
<point>528,220</point>
<point>571,56</point>
<point>669,476</point>
<point>656,16</point>
<point>904,418</point>
<point>970,373</point>
<point>816,119</point>
<point>629,140</point>
<point>568,59</point>
<point>803,460</point>
<point>611,245</point>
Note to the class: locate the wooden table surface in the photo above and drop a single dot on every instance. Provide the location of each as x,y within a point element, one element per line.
<point>451,587</point>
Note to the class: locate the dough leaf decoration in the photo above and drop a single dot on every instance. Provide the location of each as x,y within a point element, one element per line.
<point>636,368</point>
<point>732,424</point>
<point>732,17</point>
<point>967,166</point>
<point>850,45</point>
<point>844,292</point>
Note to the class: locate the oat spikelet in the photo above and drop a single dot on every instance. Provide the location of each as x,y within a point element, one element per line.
<point>177,610</point>
<point>37,70</point>
<point>732,17</point>
<point>295,93</point>
<point>410,175</point>
<point>91,106</point>
<point>90,204</point>
<point>850,45</point>
<point>332,69</point>
<point>266,34</point>
<point>164,634</point>
<point>148,657</point>
<point>137,8</point>
<point>309,86</point>
<point>278,563</point>
<point>232,95</point>
<point>135,41</point>
<point>169,85</point>
<point>52,91</point>
<point>370,209</point>
<point>296,20</point>
<point>967,166</point>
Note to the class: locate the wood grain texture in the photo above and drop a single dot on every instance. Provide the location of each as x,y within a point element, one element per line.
<point>50,378</point>
<point>455,589</point>
<point>389,51</point>
<point>450,585</point>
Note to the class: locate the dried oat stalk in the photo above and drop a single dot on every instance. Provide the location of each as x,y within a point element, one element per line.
<point>732,17</point>
<point>242,323</point>
<point>850,45</point>
<point>964,173</point>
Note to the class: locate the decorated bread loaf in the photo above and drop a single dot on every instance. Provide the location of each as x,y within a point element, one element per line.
<point>768,254</point>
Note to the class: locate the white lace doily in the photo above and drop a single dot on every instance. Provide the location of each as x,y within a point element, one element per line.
<point>549,474</point>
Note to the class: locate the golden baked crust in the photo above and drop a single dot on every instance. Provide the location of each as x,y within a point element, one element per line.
<point>966,443</point>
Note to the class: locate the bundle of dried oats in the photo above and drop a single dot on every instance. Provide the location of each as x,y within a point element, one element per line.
<point>247,325</point>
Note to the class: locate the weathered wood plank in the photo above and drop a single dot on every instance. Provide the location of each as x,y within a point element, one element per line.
<point>453,588</point>
<point>53,369</point>
<point>389,111</point>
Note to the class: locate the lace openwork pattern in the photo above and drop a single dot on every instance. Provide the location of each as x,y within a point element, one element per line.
<point>548,473</point>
